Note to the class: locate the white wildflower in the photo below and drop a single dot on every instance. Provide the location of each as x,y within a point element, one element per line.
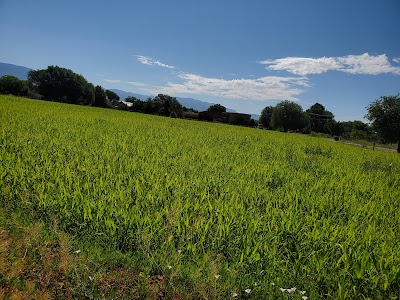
<point>170,267</point>
<point>78,251</point>
<point>272,283</point>
<point>216,276</point>
<point>293,289</point>
<point>234,295</point>
<point>179,251</point>
<point>304,297</point>
<point>247,291</point>
<point>302,292</point>
<point>282,290</point>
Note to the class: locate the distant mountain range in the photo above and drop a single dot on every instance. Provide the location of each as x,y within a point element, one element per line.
<point>22,73</point>
<point>187,102</point>
<point>14,70</point>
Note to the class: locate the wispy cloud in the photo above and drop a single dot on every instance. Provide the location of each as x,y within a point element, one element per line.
<point>152,62</point>
<point>112,80</point>
<point>397,60</point>
<point>263,88</point>
<point>353,64</point>
<point>135,83</point>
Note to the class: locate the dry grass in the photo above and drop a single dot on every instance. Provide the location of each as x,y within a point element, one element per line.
<point>36,262</point>
<point>33,267</point>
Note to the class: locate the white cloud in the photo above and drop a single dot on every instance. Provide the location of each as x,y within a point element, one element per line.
<point>152,62</point>
<point>353,64</point>
<point>135,83</point>
<point>397,60</point>
<point>263,88</point>
<point>112,80</point>
<point>302,65</point>
<point>367,64</point>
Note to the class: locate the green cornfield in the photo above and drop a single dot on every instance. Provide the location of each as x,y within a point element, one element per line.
<point>221,211</point>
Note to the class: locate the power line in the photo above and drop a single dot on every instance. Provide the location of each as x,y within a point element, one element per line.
<point>327,116</point>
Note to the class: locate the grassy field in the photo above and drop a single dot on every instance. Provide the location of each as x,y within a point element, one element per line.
<point>116,204</point>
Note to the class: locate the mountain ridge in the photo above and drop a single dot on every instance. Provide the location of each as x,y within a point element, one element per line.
<point>20,72</point>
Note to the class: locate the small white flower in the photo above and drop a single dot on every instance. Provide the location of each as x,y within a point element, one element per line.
<point>91,278</point>
<point>216,276</point>
<point>304,297</point>
<point>293,289</point>
<point>170,267</point>
<point>234,295</point>
<point>247,291</point>
<point>179,251</point>
<point>302,292</point>
<point>78,251</point>
<point>272,283</point>
<point>282,290</point>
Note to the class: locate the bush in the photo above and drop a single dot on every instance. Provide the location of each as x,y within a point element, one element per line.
<point>14,86</point>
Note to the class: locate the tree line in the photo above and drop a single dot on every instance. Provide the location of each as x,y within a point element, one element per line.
<point>60,85</point>
<point>63,85</point>
<point>384,115</point>
<point>289,116</point>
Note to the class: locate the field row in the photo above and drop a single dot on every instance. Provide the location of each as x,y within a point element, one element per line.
<point>208,204</point>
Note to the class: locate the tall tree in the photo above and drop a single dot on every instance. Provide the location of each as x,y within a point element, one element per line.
<point>289,116</point>
<point>265,117</point>
<point>384,115</point>
<point>100,97</point>
<point>62,85</point>
<point>319,117</point>
<point>149,106</point>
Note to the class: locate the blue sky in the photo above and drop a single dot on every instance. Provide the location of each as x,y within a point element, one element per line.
<point>243,54</point>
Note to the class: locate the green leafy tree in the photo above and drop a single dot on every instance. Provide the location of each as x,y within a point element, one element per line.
<point>190,109</point>
<point>359,125</point>
<point>149,106</point>
<point>165,105</point>
<point>334,128</point>
<point>319,117</point>
<point>216,110</point>
<point>266,115</point>
<point>289,116</point>
<point>384,115</point>
<point>62,85</point>
<point>12,85</point>
<point>112,97</point>
<point>100,97</point>
<point>357,129</point>
<point>137,104</point>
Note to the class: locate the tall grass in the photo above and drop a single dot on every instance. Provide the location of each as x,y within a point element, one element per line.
<point>219,210</point>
